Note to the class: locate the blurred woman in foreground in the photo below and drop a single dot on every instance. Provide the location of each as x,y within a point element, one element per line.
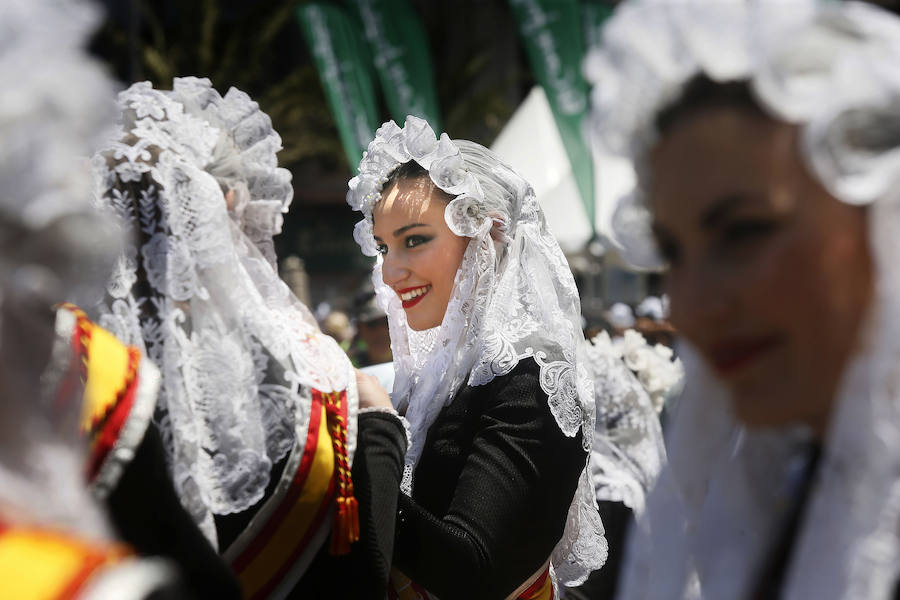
<point>55,541</point>
<point>766,139</point>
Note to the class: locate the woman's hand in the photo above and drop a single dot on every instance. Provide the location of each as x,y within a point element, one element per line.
<point>371,394</point>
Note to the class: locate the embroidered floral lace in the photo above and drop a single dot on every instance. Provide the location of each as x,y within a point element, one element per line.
<point>193,177</point>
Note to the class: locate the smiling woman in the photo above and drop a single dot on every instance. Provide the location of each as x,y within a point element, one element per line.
<point>495,500</point>
<point>420,254</point>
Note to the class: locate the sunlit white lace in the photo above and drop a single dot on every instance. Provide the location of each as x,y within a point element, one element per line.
<point>238,353</point>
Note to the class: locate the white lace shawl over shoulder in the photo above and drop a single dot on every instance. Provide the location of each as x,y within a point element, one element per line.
<point>197,290</point>
<point>513,297</point>
<point>830,68</point>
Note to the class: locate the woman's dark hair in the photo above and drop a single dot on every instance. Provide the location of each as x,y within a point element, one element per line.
<point>413,171</point>
<point>702,93</point>
<point>408,170</point>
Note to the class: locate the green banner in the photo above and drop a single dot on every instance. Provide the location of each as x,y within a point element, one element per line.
<point>552,33</point>
<point>341,59</point>
<point>595,12</point>
<point>400,53</point>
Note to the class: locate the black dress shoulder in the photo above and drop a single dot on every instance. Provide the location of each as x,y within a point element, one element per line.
<point>491,491</point>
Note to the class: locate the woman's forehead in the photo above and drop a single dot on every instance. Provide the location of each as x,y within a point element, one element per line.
<point>698,162</point>
<point>409,198</point>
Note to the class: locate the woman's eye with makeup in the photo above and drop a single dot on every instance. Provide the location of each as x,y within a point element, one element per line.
<point>381,249</point>
<point>416,240</point>
<point>746,230</point>
<point>745,233</point>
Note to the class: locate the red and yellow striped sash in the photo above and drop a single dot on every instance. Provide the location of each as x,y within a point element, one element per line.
<point>541,589</point>
<point>290,528</point>
<point>38,564</point>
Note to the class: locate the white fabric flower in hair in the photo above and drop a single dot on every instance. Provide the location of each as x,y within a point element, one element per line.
<point>364,236</point>
<point>464,216</point>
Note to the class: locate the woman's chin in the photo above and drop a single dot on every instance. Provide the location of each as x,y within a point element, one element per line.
<point>770,409</point>
<point>421,324</point>
<point>422,318</point>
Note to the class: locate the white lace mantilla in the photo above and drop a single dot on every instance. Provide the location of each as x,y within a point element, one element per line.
<point>197,292</point>
<point>514,297</point>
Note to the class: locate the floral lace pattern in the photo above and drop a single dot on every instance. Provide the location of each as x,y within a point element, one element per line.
<point>265,191</point>
<point>628,451</point>
<point>514,297</point>
<point>830,69</point>
<point>656,368</point>
<point>239,355</point>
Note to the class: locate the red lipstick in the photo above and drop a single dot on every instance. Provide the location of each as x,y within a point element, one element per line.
<point>409,303</point>
<point>731,356</point>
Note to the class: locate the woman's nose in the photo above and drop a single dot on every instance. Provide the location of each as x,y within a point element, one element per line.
<point>393,270</point>
<point>699,301</point>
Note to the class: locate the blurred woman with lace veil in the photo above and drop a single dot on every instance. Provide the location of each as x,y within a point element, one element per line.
<point>766,141</point>
<point>495,499</point>
<point>257,409</point>
<point>55,540</point>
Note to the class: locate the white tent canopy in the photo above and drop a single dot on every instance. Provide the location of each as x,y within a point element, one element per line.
<point>531,144</point>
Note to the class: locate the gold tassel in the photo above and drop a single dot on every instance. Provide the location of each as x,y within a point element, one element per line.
<point>346,525</point>
<point>345,529</point>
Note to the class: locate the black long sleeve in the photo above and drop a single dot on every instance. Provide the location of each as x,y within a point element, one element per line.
<point>148,514</point>
<point>377,470</point>
<point>491,491</point>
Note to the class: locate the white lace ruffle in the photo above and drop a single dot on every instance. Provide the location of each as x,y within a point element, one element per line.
<point>392,147</point>
<point>514,297</point>
<point>829,68</point>
<point>391,411</point>
<point>268,187</point>
<point>238,354</point>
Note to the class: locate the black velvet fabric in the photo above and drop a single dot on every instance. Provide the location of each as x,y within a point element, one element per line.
<point>149,516</point>
<point>491,491</point>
